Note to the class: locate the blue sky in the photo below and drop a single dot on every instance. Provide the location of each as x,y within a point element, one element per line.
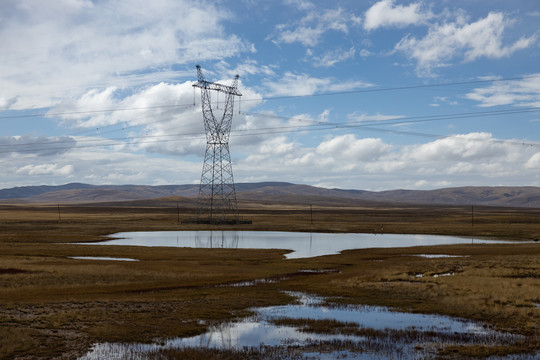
<point>371,95</point>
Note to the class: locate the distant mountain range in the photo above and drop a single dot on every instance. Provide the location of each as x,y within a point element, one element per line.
<point>276,192</point>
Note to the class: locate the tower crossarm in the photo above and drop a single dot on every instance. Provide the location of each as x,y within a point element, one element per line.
<point>217,87</point>
<point>204,84</point>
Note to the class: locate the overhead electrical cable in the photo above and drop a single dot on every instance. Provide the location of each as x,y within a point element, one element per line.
<point>314,123</point>
<point>407,87</point>
<point>394,121</point>
<point>315,126</point>
<point>409,119</point>
<point>279,97</point>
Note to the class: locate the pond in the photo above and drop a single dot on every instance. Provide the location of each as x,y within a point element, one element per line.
<point>363,332</point>
<point>101,258</point>
<point>301,244</point>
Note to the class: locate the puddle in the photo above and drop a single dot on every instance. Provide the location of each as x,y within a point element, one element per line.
<point>444,274</point>
<point>100,258</point>
<point>303,245</point>
<point>371,333</point>
<point>253,282</point>
<point>438,256</point>
<point>421,275</point>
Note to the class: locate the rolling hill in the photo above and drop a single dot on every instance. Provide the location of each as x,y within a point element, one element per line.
<point>276,192</point>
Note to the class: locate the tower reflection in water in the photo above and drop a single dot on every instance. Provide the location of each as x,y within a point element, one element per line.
<point>217,239</point>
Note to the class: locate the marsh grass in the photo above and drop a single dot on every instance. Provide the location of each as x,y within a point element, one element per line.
<point>66,304</point>
<point>449,343</point>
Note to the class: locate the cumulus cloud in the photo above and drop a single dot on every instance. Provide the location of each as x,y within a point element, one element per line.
<point>149,104</point>
<point>533,162</point>
<point>348,148</point>
<point>246,68</point>
<point>300,4</point>
<point>386,14</point>
<point>349,161</point>
<point>343,160</point>
<point>54,50</point>
<point>46,169</point>
<point>363,117</point>
<point>6,103</point>
<point>522,92</point>
<point>98,165</point>
<point>472,146</point>
<point>309,29</point>
<point>333,57</point>
<point>40,146</point>
<point>304,84</point>
<point>163,118</point>
<point>459,39</point>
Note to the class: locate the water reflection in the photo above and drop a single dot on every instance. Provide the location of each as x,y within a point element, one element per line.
<point>303,245</point>
<point>215,239</point>
<point>377,333</point>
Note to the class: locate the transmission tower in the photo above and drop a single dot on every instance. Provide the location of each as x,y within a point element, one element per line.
<point>217,194</point>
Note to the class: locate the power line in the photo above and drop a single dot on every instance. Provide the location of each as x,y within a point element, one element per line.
<point>397,88</point>
<point>93,111</point>
<point>314,123</point>
<point>408,87</point>
<point>315,126</point>
<point>410,119</point>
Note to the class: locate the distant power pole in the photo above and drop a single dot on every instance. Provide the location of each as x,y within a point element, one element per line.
<point>217,194</point>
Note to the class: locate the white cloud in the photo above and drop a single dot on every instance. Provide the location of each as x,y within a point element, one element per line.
<point>386,14</point>
<point>309,30</point>
<point>523,92</point>
<point>46,169</point>
<point>363,117</point>
<point>160,102</point>
<point>533,162</point>
<point>472,146</point>
<point>40,146</point>
<point>348,161</point>
<point>52,50</point>
<point>98,165</point>
<point>444,42</point>
<point>365,53</point>
<point>246,68</point>
<point>345,161</point>
<point>333,57</point>
<point>300,4</point>
<point>351,150</point>
<point>303,84</point>
<point>157,119</point>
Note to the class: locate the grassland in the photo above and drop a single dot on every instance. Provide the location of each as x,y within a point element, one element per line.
<point>53,306</point>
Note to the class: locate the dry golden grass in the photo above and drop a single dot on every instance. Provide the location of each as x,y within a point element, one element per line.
<point>53,306</point>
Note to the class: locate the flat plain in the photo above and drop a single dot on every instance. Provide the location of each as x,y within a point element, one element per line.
<point>54,306</point>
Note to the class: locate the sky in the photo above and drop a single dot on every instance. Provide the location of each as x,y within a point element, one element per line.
<point>371,95</point>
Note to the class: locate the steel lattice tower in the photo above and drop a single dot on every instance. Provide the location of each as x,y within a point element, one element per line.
<point>217,194</point>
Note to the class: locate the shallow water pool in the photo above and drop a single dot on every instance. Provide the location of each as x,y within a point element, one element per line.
<point>302,245</point>
<point>380,334</point>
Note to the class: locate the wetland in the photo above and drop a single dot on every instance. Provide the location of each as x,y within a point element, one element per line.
<point>56,305</point>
